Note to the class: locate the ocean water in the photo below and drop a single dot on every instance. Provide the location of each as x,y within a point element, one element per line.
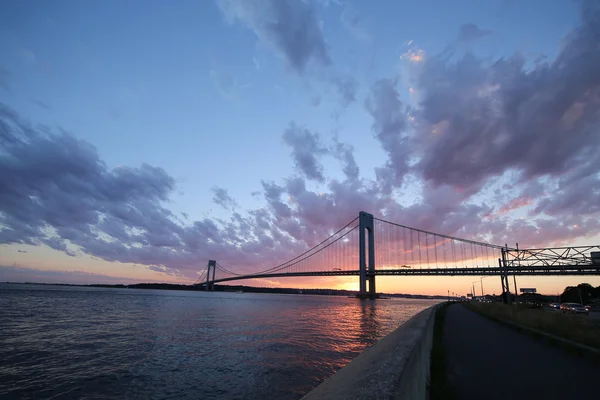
<point>95,343</point>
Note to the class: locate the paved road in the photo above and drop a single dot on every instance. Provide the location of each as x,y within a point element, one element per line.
<point>487,360</point>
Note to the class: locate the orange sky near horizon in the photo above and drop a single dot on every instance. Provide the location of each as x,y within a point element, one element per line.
<point>36,259</point>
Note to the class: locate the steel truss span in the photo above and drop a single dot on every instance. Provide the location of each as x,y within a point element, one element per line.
<point>555,256</point>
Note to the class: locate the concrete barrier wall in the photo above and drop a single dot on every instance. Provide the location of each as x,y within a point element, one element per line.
<point>396,367</point>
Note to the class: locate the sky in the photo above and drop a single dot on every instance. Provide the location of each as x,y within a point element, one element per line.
<point>139,139</point>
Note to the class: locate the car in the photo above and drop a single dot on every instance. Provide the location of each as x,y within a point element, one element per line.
<point>554,306</point>
<point>573,308</point>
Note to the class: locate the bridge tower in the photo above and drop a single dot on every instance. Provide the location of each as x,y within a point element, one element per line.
<point>504,276</point>
<point>209,283</point>
<point>366,255</point>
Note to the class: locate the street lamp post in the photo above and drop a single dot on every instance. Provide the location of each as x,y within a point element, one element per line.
<point>481,281</point>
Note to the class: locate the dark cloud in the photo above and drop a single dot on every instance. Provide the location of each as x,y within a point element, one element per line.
<point>480,120</point>
<point>345,153</point>
<point>57,192</point>
<point>471,32</point>
<point>390,124</point>
<point>222,198</point>
<point>55,181</point>
<point>273,195</point>
<point>306,148</point>
<point>574,194</point>
<point>477,120</point>
<point>291,26</point>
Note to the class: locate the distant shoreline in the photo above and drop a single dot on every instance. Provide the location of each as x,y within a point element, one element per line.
<point>236,288</point>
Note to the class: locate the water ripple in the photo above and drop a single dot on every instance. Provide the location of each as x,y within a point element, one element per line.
<point>92,343</point>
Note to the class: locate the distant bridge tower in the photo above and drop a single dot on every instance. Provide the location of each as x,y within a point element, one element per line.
<point>210,283</point>
<point>503,264</point>
<point>366,243</point>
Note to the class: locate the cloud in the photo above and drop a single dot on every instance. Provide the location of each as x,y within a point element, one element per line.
<point>390,124</point>
<point>57,192</point>
<point>41,104</point>
<point>515,204</point>
<point>55,181</point>
<point>413,55</point>
<point>222,198</point>
<point>347,88</point>
<point>32,275</point>
<point>291,27</point>
<point>528,133</point>
<point>501,116</point>
<point>306,148</point>
<point>476,120</point>
<point>471,32</point>
<point>166,270</point>
<point>573,194</point>
<point>345,153</point>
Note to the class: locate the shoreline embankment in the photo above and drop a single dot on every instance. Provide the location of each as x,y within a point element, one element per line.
<point>397,366</point>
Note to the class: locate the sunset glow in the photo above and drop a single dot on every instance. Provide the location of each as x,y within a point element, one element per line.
<point>248,133</point>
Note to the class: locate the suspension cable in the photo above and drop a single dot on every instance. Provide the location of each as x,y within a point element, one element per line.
<point>275,269</point>
<point>306,252</point>
<point>442,235</point>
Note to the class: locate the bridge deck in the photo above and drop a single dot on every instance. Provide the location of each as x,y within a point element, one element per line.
<point>549,270</point>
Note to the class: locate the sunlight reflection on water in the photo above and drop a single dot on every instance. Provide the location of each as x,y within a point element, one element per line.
<point>126,343</point>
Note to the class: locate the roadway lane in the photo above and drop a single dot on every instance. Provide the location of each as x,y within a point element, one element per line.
<point>488,360</point>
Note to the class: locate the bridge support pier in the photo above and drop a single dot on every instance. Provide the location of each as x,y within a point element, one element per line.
<point>366,256</point>
<point>209,283</point>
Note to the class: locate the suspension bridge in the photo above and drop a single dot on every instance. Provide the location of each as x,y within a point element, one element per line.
<point>366,242</point>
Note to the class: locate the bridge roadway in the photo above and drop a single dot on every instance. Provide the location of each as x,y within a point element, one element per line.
<point>489,360</point>
<point>580,269</point>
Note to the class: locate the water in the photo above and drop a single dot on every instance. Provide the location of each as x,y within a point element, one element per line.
<point>94,343</point>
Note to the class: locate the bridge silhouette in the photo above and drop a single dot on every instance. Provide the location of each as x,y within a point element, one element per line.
<point>366,242</point>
